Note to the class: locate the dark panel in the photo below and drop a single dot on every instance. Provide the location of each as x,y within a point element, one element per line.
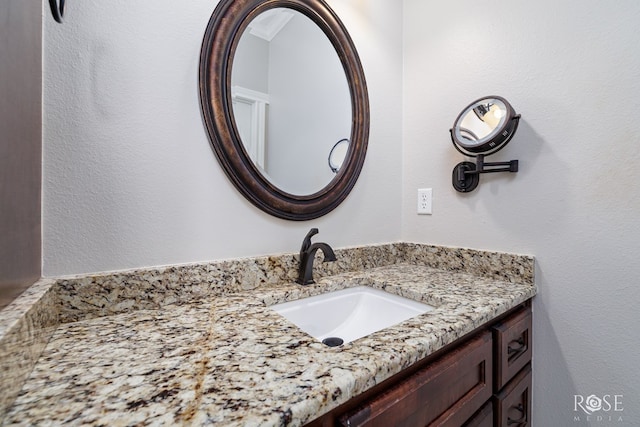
<point>482,418</point>
<point>20,146</point>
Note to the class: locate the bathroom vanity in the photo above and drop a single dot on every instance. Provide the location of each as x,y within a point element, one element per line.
<point>199,345</point>
<point>483,379</point>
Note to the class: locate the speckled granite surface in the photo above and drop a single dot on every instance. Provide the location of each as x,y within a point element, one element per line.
<point>105,294</point>
<point>226,358</point>
<point>25,328</point>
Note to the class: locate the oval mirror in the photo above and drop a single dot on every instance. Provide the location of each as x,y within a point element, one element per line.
<point>280,83</point>
<point>484,126</point>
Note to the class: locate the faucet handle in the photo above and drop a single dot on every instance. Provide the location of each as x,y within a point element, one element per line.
<point>307,240</point>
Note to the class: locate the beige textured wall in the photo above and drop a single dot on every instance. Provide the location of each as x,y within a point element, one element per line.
<point>130,179</point>
<point>571,69</point>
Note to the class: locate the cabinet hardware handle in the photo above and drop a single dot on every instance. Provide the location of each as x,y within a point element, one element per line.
<point>522,420</point>
<point>519,349</point>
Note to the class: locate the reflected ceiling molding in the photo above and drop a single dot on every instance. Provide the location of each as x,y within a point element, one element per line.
<point>268,24</point>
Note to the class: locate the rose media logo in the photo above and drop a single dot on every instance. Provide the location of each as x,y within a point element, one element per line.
<point>593,408</point>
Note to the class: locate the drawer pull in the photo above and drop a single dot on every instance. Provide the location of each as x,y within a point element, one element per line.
<point>512,349</point>
<point>521,420</point>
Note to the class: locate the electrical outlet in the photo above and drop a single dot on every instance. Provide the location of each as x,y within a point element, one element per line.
<point>424,201</point>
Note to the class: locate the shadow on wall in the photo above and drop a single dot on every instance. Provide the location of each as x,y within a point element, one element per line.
<point>558,398</point>
<point>515,201</point>
<point>550,367</point>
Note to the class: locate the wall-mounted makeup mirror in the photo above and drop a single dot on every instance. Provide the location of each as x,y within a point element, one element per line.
<point>484,127</point>
<point>280,83</point>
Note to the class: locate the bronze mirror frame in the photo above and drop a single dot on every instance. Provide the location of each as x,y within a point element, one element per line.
<point>227,23</point>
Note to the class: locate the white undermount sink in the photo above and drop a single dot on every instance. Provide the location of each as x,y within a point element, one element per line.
<point>350,313</point>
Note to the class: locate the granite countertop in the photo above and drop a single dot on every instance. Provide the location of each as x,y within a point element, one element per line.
<point>231,360</point>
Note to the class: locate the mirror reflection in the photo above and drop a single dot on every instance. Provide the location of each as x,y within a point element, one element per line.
<point>338,154</point>
<point>291,99</point>
<point>482,120</point>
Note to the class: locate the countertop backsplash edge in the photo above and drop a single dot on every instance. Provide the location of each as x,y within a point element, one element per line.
<point>26,325</point>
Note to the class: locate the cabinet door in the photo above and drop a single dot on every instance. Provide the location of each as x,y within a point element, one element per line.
<point>512,341</point>
<point>513,404</point>
<point>445,393</point>
<point>482,418</point>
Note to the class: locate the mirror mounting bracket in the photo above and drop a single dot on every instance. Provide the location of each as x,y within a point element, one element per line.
<point>466,175</point>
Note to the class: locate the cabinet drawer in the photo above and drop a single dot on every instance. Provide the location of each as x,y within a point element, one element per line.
<point>445,393</point>
<point>512,343</point>
<point>482,418</point>
<point>512,406</point>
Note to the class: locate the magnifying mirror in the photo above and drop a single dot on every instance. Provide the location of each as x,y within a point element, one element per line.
<point>483,128</point>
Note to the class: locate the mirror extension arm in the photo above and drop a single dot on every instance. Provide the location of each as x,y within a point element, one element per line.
<point>466,175</point>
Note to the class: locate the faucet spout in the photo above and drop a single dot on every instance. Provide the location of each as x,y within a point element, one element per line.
<point>307,256</point>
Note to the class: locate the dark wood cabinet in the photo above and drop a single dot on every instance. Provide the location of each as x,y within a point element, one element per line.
<point>445,393</point>
<point>512,344</point>
<point>512,362</point>
<point>481,380</point>
<point>512,405</point>
<point>482,418</point>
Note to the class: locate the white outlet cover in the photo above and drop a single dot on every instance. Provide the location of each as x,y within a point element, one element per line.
<point>425,196</point>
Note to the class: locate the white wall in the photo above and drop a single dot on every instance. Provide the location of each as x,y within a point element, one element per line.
<point>572,69</point>
<point>129,177</point>
<point>251,63</point>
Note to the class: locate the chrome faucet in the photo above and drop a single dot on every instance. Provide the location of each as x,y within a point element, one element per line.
<point>307,255</point>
